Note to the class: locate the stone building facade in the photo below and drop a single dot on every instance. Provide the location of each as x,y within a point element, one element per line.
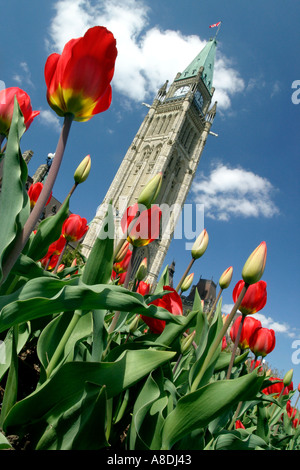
<point>170,140</point>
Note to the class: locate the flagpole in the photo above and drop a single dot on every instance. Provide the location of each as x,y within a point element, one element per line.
<point>218,30</point>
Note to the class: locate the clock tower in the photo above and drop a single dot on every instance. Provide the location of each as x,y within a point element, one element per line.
<point>170,140</point>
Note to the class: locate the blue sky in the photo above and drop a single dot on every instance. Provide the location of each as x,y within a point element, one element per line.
<point>248,175</point>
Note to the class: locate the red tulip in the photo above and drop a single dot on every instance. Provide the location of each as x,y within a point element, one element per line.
<point>277,388</point>
<point>239,424</point>
<point>291,412</point>
<point>146,227</point>
<point>7,97</point>
<point>78,80</point>
<point>74,228</point>
<point>262,342</point>
<point>255,298</point>
<point>143,288</point>
<point>224,343</point>
<point>171,301</point>
<point>250,325</point>
<point>34,191</point>
<point>256,365</point>
<point>122,266</point>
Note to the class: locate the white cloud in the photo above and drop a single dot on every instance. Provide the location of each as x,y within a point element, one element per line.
<point>48,118</point>
<point>234,192</point>
<point>266,322</point>
<point>147,56</point>
<point>23,78</point>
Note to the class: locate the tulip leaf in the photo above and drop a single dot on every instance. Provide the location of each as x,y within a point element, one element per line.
<point>99,264</point>
<point>163,280</point>
<point>48,231</point>
<point>46,296</point>
<point>147,418</point>
<point>52,334</point>
<point>239,439</point>
<point>14,201</point>
<point>195,410</point>
<point>224,360</point>
<point>6,346</point>
<point>4,444</point>
<point>82,427</point>
<point>65,388</point>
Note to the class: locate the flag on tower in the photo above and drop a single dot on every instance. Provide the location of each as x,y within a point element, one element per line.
<point>216,24</point>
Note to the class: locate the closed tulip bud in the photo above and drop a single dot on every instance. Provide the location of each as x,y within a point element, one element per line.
<point>187,282</point>
<point>287,379</point>
<point>187,342</point>
<point>142,270</point>
<point>226,277</point>
<point>60,268</point>
<point>255,265</point>
<point>120,255</point>
<point>83,170</point>
<point>150,191</point>
<point>200,245</point>
<point>134,324</point>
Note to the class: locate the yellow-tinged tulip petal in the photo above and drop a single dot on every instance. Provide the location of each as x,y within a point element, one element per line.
<point>187,282</point>
<point>255,264</point>
<point>120,255</point>
<point>200,245</point>
<point>83,170</point>
<point>150,191</point>
<point>226,277</point>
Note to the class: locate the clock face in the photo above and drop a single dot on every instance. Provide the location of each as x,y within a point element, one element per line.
<point>198,99</point>
<point>181,91</point>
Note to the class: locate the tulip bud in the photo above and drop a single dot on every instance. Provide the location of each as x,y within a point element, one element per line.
<point>187,282</point>
<point>134,324</point>
<point>200,245</point>
<point>142,270</point>
<point>60,268</point>
<point>122,252</point>
<point>83,170</point>
<point>226,277</point>
<point>255,264</point>
<point>150,191</point>
<point>187,342</point>
<point>287,379</point>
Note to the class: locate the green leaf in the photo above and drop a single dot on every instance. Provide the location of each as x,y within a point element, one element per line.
<point>29,269</point>
<point>163,280</point>
<point>4,444</point>
<point>63,390</point>
<point>195,410</point>
<point>48,231</point>
<point>147,418</point>
<point>239,439</point>
<point>14,201</point>
<point>45,296</point>
<point>206,340</point>
<point>81,427</point>
<point>6,346</point>
<point>11,386</point>
<point>224,360</point>
<point>99,264</point>
<point>52,334</point>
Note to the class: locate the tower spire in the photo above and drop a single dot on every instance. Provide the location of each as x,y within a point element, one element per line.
<point>205,59</point>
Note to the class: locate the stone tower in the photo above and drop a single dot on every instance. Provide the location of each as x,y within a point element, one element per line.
<point>170,140</point>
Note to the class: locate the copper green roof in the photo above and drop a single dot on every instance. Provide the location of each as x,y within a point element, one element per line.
<point>205,58</point>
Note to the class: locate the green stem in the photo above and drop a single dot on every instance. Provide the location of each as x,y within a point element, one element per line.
<point>61,346</point>
<point>185,274</point>
<point>126,283</point>
<point>42,200</point>
<point>214,304</point>
<point>218,339</point>
<point>236,342</point>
